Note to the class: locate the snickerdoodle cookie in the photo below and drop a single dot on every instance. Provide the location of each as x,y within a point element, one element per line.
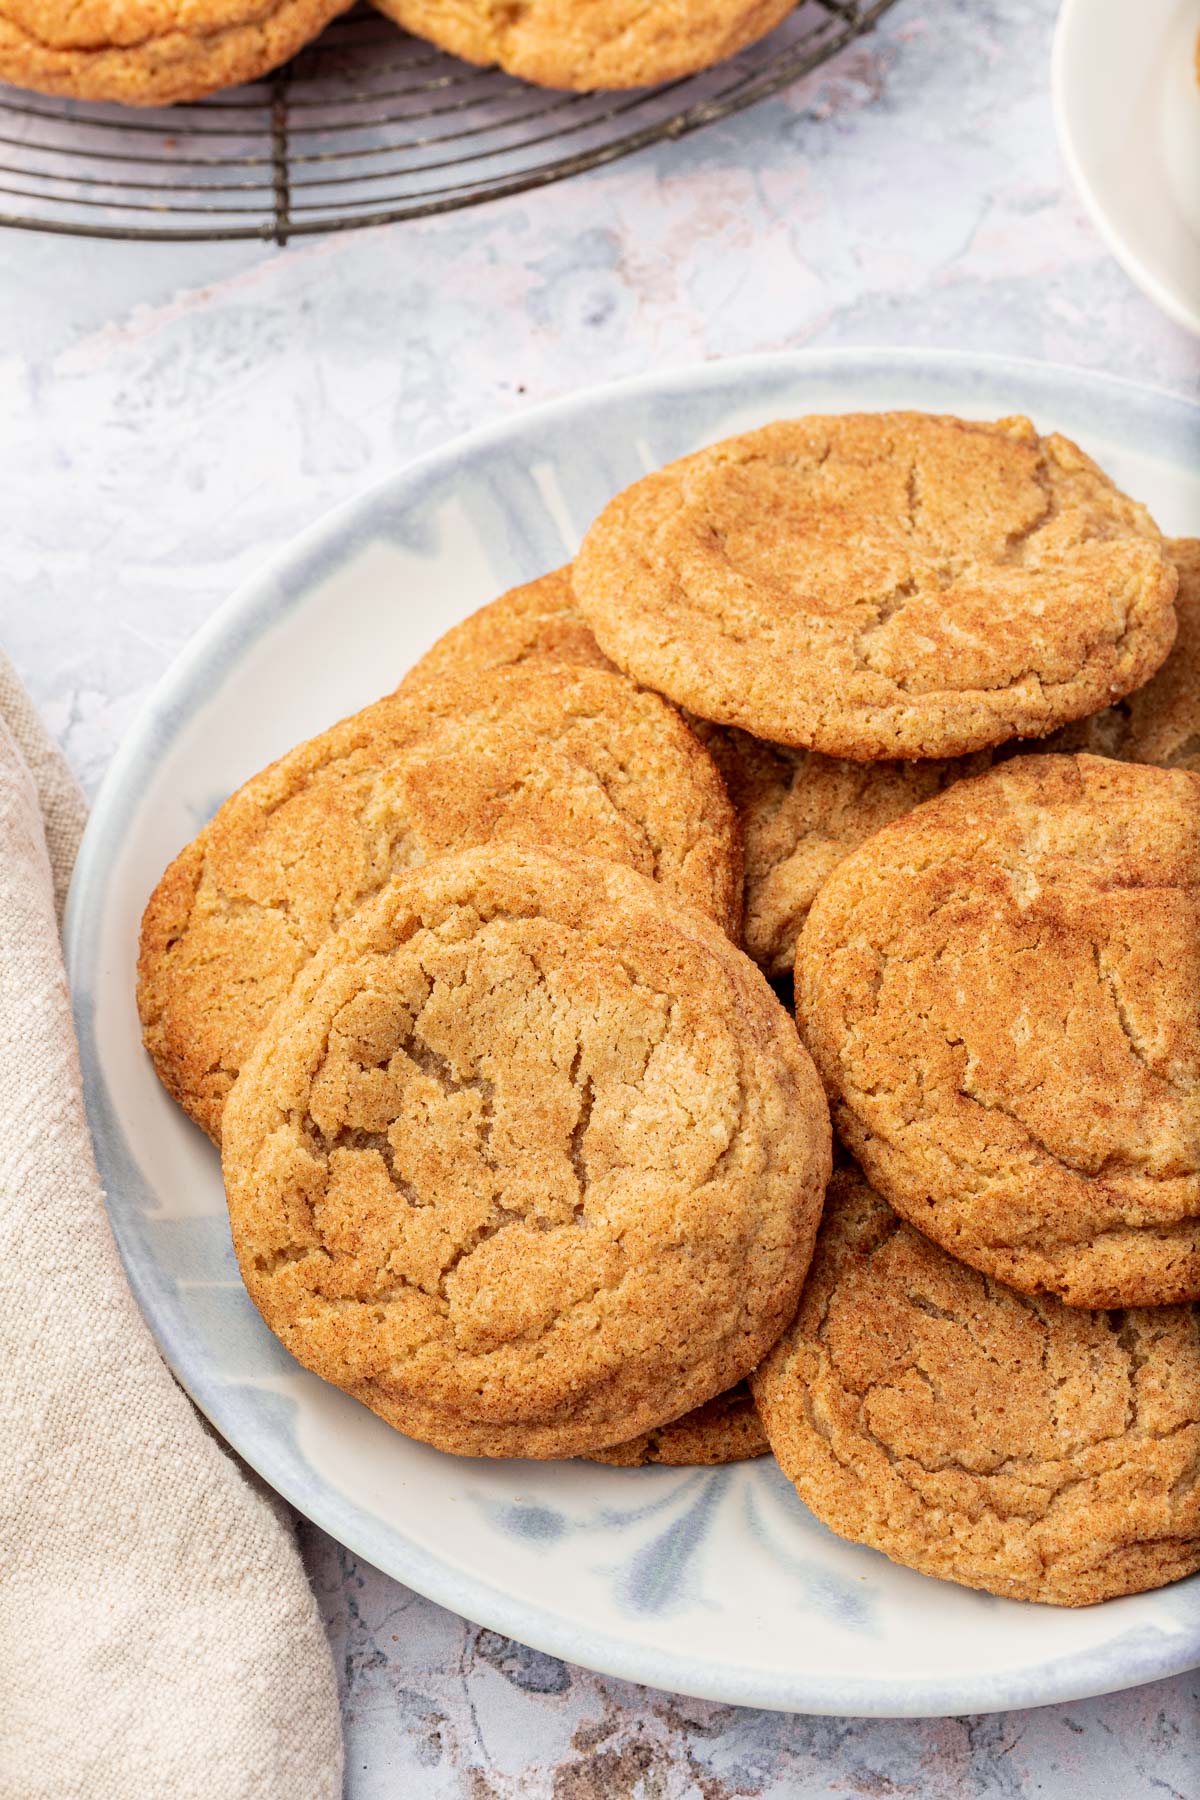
<point>800,814</point>
<point>544,754</point>
<point>531,623</point>
<point>1000,991</point>
<point>152,52</point>
<point>881,585</point>
<point>587,44</point>
<point>974,1433</point>
<point>1160,723</point>
<point>726,1429</point>
<point>530,1159</point>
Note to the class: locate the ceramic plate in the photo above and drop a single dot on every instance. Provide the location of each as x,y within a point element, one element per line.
<point>1127,104</point>
<point>712,1583</point>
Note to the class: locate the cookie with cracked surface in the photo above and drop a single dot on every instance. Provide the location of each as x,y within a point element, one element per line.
<point>530,1160</point>
<point>540,621</point>
<point>535,622</point>
<point>152,52</point>
<point>544,754</point>
<point>800,814</point>
<point>589,44</point>
<point>726,1429</point>
<point>1000,993</point>
<point>1160,723</point>
<point>796,809</point>
<point>881,585</point>
<point>974,1433</point>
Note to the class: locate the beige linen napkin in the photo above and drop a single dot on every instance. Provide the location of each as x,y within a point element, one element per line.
<point>158,1639</point>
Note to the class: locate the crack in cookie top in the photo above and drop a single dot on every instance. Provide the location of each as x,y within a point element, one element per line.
<point>587,44</point>
<point>543,754</point>
<point>152,52</point>
<point>530,1160</point>
<point>974,1433</point>
<point>882,584</point>
<point>1000,992</point>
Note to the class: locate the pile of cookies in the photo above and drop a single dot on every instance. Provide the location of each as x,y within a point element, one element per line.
<point>520,1143</point>
<point>159,52</point>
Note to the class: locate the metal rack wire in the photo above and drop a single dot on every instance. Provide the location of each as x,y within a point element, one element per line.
<point>363,127</point>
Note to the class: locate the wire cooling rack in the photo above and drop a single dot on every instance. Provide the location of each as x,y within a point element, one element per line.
<point>363,127</point>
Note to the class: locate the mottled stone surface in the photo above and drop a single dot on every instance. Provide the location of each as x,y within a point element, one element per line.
<point>169,415</point>
<point>434,1707</point>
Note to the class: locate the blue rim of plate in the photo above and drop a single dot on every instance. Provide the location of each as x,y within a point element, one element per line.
<point>239,622</point>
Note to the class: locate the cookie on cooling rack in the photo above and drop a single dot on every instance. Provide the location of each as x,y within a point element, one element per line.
<point>603,44</point>
<point>973,1433</point>
<point>1000,991</point>
<point>152,52</point>
<point>881,585</point>
<point>543,754</point>
<point>530,1160</point>
<point>726,1429</point>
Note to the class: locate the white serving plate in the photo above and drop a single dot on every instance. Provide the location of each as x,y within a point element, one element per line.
<point>712,1583</point>
<point>1127,106</point>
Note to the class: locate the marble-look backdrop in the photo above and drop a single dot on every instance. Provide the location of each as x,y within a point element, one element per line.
<point>169,415</point>
<point>436,1707</point>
